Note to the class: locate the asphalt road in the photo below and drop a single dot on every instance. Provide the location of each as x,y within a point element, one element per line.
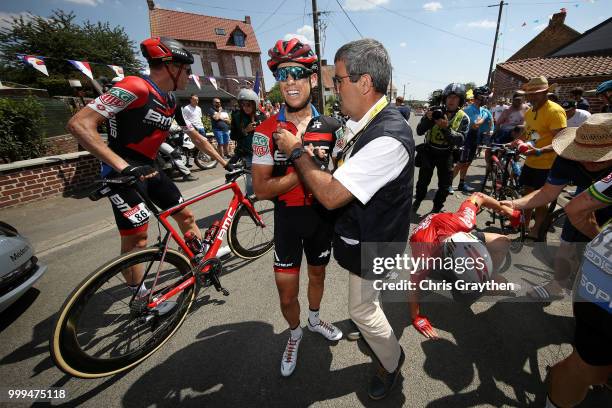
<point>227,353</point>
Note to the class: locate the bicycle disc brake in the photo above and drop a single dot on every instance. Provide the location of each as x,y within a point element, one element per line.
<point>208,272</point>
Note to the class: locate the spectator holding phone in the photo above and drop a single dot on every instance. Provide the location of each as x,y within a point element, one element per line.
<point>244,122</point>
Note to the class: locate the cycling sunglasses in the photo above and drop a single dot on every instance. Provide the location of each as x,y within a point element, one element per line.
<point>282,74</point>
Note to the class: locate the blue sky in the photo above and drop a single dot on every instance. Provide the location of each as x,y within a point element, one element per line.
<point>431,43</point>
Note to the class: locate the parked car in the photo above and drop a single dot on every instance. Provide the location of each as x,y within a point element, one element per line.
<point>19,268</point>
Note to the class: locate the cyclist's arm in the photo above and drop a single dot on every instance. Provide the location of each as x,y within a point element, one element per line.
<point>267,186</point>
<point>581,213</point>
<point>547,194</point>
<point>483,200</point>
<point>84,127</point>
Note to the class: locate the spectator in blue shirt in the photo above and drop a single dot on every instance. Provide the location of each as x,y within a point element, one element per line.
<point>404,110</point>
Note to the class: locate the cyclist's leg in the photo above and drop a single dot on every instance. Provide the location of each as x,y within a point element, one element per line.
<point>317,248</point>
<point>287,261</point>
<point>498,246</point>
<point>164,193</point>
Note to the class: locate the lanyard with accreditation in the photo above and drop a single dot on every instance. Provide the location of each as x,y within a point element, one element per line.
<point>351,138</point>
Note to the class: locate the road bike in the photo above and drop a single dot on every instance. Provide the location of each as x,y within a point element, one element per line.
<point>104,327</point>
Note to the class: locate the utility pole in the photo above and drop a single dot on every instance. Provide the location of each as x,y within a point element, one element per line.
<point>501,7</point>
<point>315,22</point>
<point>391,86</point>
<point>404,94</point>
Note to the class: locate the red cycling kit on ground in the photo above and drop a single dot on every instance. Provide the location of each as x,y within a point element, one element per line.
<point>301,225</point>
<point>428,236</point>
<point>139,118</point>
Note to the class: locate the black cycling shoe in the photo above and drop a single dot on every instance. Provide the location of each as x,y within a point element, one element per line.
<point>383,381</point>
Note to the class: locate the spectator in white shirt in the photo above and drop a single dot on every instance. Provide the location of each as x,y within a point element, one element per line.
<point>193,114</point>
<point>575,117</point>
<point>498,109</point>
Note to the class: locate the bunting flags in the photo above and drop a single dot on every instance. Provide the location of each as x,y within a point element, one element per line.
<point>117,70</point>
<point>196,79</point>
<point>36,62</point>
<point>82,66</point>
<point>213,81</point>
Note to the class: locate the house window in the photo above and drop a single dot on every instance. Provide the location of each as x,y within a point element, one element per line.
<point>220,31</point>
<point>243,66</point>
<point>215,69</point>
<point>238,38</point>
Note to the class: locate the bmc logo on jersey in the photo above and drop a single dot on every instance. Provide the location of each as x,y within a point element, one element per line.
<point>118,97</point>
<point>159,119</point>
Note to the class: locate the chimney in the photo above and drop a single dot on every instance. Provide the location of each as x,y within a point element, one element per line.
<point>247,19</point>
<point>558,19</point>
<point>151,4</point>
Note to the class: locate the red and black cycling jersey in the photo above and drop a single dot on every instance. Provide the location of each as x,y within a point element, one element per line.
<point>321,132</point>
<point>139,117</point>
<point>435,228</point>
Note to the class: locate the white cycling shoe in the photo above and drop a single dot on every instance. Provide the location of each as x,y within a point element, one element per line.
<point>327,330</point>
<point>290,355</point>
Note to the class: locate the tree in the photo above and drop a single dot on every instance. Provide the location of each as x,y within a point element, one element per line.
<point>469,85</point>
<point>60,38</point>
<point>274,95</point>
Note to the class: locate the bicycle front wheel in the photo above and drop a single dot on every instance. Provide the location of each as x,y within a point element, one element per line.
<point>101,330</point>
<point>248,239</point>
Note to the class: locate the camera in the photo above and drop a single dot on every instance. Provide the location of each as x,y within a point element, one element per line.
<point>437,112</point>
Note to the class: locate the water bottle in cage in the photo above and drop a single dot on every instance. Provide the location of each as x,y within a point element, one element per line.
<point>516,169</point>
<point>211,233</point>
<point>195,244</point>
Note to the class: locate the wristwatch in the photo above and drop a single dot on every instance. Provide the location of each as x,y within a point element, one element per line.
<point>296,153</point>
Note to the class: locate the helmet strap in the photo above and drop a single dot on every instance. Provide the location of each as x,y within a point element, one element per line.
<point>173,77</point>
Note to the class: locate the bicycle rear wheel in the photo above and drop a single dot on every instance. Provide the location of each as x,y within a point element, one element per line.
<point>101,330</point>
<point>246,238</point>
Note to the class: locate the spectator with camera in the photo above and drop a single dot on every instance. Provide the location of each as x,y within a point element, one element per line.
<point>444,128</point>
<point>244,122</point>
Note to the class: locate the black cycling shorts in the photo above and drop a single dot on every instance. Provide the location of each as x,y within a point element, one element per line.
<point>534,178</point>
<point>131,213</point>
<point>301,230</point>
<point>468,152</point>
<point>593,334</point>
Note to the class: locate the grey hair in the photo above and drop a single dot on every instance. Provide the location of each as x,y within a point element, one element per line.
<point>367,56</point>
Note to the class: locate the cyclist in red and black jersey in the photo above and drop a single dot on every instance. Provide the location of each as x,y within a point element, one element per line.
<point>428,238</point>
<point>300,225</point>
<point>139,112</point>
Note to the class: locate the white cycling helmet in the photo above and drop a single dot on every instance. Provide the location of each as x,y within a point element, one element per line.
<point>472,261</point>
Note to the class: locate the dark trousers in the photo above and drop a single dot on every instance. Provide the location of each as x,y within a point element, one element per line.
<point>441,160</point>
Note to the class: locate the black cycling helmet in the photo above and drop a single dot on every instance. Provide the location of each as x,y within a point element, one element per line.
<point>292,51</point>
<point>165,49</point>
<point>482,91</point>
<point>457,89</point>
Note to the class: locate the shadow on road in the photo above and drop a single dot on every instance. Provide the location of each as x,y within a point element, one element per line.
<point>238,365</point>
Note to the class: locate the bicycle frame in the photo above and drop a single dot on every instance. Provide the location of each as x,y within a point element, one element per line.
<point>162,216</point>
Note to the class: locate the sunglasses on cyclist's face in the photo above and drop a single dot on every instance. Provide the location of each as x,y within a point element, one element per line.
<point>282,74</point>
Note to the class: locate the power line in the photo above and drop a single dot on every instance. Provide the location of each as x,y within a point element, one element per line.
<point>271,15</point>
<point>430,26</point>
<point>280,26</point>
<point>349,18</point>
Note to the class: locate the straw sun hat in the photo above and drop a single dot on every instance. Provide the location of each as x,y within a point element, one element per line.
<point>591,142</point>
<point>536,85</point>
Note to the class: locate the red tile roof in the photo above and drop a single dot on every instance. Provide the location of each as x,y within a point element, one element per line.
<point>196,27</point>
<point>558,68</point>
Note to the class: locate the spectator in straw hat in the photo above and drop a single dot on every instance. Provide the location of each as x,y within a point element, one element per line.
<point>585,156</point>
<point>542,122</point>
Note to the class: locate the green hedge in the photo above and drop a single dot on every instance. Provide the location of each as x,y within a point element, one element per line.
<point>21,133</point>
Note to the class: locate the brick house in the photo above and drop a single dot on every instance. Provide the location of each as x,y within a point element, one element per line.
<point>224,49</point>
<point>555,35</point>
<point>584,61</point>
